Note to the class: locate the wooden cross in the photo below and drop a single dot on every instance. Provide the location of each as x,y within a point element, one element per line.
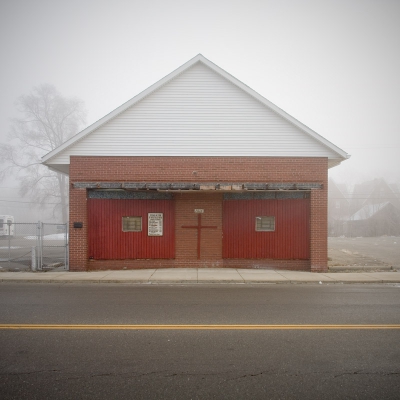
<point>199,227</point>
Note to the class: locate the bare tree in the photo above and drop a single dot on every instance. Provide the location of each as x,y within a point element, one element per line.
<point>47,120</point>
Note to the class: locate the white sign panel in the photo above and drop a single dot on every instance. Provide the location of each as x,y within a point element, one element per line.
<point>199,210</point>
<point>155,224</point>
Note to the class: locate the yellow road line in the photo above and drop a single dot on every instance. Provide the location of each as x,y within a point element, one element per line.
<point>193,327</point>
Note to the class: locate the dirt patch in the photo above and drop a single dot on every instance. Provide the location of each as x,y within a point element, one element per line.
<point>365,252</point>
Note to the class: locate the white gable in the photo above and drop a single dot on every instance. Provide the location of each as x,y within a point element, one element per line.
<point>198,112</point>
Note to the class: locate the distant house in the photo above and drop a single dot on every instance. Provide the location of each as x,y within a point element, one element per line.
<point>395,187</point>
<point>375,220</point>
<point>197,171</point>
<point>375,191</point>
<point>375,210</point>
<point>338,208</point>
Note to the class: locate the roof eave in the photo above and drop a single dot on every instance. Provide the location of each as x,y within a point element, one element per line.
<point>334,162</point>
<point>59,168</point>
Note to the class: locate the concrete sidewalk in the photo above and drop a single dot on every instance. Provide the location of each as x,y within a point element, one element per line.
<point>200,275</point>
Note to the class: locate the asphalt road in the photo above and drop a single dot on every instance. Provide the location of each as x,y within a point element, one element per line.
<point>199,364</point>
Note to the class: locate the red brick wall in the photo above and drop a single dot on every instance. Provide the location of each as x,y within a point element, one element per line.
<point>319,230</point>
<point>78,237</point>
<point>211,238</point>
<point>198,169</point>
<point>293,265</point>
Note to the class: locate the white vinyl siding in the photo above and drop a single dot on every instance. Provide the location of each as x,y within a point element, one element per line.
<point>198,113</point>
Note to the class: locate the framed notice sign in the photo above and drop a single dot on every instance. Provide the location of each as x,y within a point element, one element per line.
<point>155,224</point>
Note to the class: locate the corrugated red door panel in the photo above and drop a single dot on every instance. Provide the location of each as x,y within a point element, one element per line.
<point>290,240</point>
<point>107,241</point>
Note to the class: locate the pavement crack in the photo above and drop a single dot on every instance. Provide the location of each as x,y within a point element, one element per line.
<point>30,372</point>
<point>135,374</point>
<point>366,373</point>
<point>297,374</point>
<point>151,373</point>
<point>111,374</point>
<point>250,375</point>
<point>193,374</point>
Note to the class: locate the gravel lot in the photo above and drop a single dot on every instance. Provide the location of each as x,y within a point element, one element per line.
<point>383,251</point>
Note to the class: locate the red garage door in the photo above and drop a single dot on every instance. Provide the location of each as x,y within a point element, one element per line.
<point>119,229</point>
<point>269,229</point>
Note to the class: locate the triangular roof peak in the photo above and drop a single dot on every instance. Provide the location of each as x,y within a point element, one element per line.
<point>199,58</point>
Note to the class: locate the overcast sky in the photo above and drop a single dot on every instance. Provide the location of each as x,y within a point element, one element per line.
<point>333,65</point>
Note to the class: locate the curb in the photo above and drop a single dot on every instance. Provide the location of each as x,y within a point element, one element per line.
<point>202,282</point>
<point>361,268</point>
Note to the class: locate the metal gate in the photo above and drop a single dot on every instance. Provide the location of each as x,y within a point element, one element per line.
<point>33,246</point>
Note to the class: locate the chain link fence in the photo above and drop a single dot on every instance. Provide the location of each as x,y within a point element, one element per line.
<point>33,246</point>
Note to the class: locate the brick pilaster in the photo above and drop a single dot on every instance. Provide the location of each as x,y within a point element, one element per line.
<point>78,237</point>
<point>319,229</point>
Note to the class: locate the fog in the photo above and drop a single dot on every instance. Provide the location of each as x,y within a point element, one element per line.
<point>333,65</point>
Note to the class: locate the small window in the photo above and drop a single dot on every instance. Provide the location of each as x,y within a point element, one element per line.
<point>265,224</point>
<point>131,224</point>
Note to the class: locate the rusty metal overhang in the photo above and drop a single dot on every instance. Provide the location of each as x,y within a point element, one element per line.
<point>199,186</point>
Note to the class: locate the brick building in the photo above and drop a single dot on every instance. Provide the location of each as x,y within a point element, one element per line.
<point>197,171</point>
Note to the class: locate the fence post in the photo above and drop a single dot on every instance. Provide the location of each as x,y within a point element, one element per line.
<point>33,258</point>
<point>39,245</point>
<point>66,255</point>
<point>9,241</point>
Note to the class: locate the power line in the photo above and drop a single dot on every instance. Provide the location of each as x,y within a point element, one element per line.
<point>26,202</point>
<point>365,198</point>
<point>371,148</point>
